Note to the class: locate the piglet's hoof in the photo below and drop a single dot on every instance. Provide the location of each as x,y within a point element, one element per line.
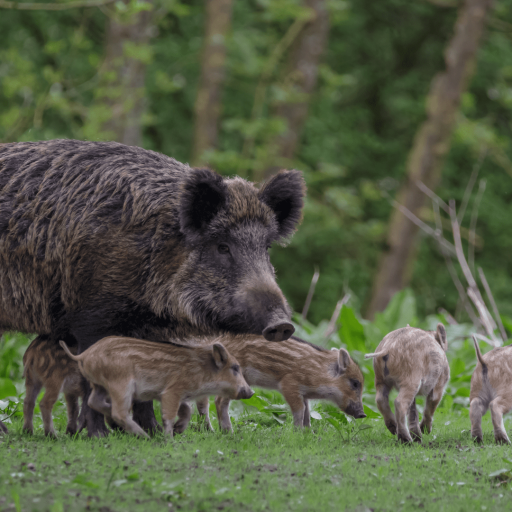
<point>416,437</point>
<point>403,439</point>
<point>392,428</point>
<point>501,439</point>
<point>478,439</point>
<point>426,429</point>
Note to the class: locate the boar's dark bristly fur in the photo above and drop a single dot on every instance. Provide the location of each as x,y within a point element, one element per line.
<point>102,239</point>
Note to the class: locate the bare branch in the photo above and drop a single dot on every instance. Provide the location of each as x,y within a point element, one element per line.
<point>425,227</point>
<point>493,304</point>
<point>471,184</point>
<point>311,291</point>
<point>432,196</point>
<point>472,225</point>
<point>54,6</point>
<point>449,318</point>
<point>453,274</point>
<point>337,310</point>
<point>485,316</point>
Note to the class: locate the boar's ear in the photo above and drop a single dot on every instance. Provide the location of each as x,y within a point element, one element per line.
<point>343,361</point>
<point>220,355</point>
<point>284,194</point>
<point>203,195</point>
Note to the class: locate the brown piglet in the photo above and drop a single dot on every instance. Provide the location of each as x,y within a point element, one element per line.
<point>122,370</point>
<point>47,366</point>
<point>491,388</point>
<point>297,369</point>
<point>414,362</point>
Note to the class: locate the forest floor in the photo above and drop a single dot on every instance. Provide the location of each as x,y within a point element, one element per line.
<point>258,467</point>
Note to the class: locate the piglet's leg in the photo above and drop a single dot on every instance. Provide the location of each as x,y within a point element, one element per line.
<point>431,403</point>
<point>307,416</point>
<point>498,406</point>
<point>222,406</point>
<point>203,408</point>
<point>476,410</point>
<point>414,424</point>
<point>53,387</point>
<point>382,400</point>
<point>184,415</point>
<point>33,386</point>
<point>402,404</point>
<point>295,401</point>
<point>121,396</point>
<point>170,406</point>
<point>73,407</point>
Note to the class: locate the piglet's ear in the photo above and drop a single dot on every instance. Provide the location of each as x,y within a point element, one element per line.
<point>284,194</point>
<point>220,355</point>
<point>203,195</point>
<point>441,337</point>
<point>343,361</point>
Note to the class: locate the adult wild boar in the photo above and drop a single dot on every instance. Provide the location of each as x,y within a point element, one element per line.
<point>99,239</point>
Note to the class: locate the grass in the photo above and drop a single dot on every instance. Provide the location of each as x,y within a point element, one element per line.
<point>262,466</point>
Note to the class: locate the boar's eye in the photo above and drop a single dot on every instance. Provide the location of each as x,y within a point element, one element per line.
<point>354,384</point>
<point>235,368</point>
<point>223,248</point>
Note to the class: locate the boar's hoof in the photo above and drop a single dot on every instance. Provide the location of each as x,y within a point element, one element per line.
<point>71,431</point>
<point>3,428</point>
<point>278,332</point>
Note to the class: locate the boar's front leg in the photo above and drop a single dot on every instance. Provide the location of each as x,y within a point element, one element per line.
<point>382,399</point>
<point>222,406</point>
<point>402,404</point>
<point>414,424</point>
<point>499,406</point>
<point>476,410</point>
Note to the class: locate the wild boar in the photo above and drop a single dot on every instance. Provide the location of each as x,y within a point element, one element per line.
<point>101,239</point>
<point>414,362</point>
<point>48,367</point>
<point>491,388</point>
<point>122,370</point>
<point>297,369</point>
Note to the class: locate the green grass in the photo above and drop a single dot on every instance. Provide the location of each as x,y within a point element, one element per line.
<point>262,466</point>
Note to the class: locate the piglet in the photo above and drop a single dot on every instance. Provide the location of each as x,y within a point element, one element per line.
<point>300,371</point>
<point>414,362</point>
<point>491,388</point>
<point>122,370</point>
<point>47,366</point>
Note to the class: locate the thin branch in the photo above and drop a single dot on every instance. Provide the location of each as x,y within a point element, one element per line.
<point>490,296</point>
<point>449,318</point>
<point>472,225</point>
<point>471,184</point>
<point>485,316</point>
<point>311,291</point>
<point>337,310</point>
<point>425,227</point>
<point>432,196</point>
<point>29,6</point>
<point>453,274</point>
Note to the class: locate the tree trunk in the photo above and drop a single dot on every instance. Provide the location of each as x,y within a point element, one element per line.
<point>208,102</point>
<point>430,146</point>
<point>121,94</point>
<point>301,78</point>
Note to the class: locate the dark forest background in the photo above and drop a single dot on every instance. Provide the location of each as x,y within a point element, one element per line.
<point>336,88</point>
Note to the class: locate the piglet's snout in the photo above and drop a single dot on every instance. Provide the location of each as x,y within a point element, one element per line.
<point>244,392</point>
<point>355,410</point>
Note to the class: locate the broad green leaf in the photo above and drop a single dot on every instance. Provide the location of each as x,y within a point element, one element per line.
<point>457,366</point>
<point>316,415</point>
<point>7,388</point>
<point>351,331</point>
<point>370,413</point>
<point>256,401</point>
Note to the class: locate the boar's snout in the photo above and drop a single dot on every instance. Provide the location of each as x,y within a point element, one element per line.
<point>278,331</point>
<point>355,410</point>
<point>244,393</point>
